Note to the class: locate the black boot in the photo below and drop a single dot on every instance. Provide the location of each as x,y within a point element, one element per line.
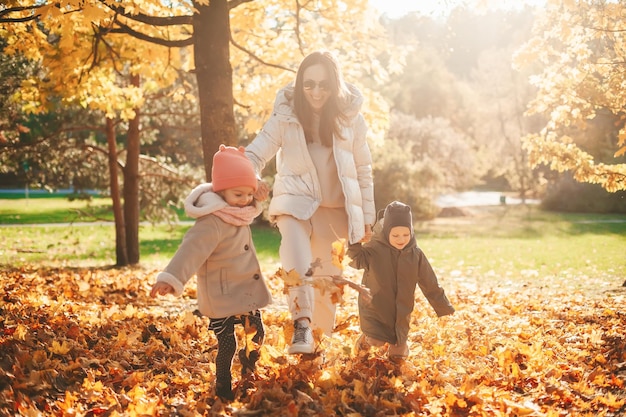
<point>224,390</point>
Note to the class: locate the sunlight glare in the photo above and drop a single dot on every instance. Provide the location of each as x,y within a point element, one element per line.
<point>441,8</point>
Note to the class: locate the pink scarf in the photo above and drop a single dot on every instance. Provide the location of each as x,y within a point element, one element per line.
<point>238,216</point>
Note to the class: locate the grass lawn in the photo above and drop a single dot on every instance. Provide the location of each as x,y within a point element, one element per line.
<point>45,209</point>
<point>94,245</point>
<point>502,243</point>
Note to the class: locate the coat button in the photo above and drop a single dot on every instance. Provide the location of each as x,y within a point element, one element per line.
<point>256,276</point>
<point>246,247</point>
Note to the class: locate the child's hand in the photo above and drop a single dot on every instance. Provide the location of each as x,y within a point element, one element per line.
<point>161,288</point>
<point>262,191</point>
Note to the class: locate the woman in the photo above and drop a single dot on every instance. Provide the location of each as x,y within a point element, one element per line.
<point>323,189</point>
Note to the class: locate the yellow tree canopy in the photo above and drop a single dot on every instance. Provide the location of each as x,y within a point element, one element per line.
<point>85,45</point>
<point>580,47</point>
<point>84,61</point>
<point>281,35</point>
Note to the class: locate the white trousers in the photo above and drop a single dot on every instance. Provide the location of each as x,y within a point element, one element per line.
<point>303,241</point>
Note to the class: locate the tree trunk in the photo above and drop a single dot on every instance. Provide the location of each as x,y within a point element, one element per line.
<point>120,233</point>
<point>131,185</point>
<point>211,26</point>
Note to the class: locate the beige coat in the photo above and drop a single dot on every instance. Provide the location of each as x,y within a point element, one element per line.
<point>296,188</point>
<point>222,256</point>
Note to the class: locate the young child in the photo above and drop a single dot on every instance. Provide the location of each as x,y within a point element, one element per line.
<point>393,266</point>
<point>218,248</point>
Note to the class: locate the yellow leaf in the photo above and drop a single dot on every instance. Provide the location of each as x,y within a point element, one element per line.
<point>338,253</point>
<point>439,349</point>
<point>291,278</point>
<point>359,389</point>
<point>328,285</point>
<point>450,399</point>
<point>60,348</point>
<point>390,404</point>
<point>20,332</point>
<point>526,409</point>
<point>611,401</point>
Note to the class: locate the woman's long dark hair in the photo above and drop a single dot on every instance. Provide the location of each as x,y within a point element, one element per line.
<point>331,116</point>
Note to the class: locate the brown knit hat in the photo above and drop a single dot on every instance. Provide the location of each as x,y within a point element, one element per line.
<point>397,214</point>
<point>232,168</point>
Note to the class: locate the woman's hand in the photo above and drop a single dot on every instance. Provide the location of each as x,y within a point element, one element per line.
<point>262,191</point>
<point>368,233</point>
<point>161,288</point>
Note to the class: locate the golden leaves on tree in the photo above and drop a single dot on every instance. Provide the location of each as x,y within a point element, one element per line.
<point>571,41</point>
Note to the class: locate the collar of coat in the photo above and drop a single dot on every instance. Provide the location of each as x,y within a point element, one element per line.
<point>202,200</point>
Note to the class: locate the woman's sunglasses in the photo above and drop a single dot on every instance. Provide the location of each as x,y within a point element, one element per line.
<point>323,85</point>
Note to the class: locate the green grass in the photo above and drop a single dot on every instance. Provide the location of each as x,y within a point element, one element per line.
<point>502,243</point>
<point>46,209</point>
<point>525,244</point>
<point>89,244</point>
<point>94,245</point>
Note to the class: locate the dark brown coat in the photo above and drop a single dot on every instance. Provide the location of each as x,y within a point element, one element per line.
<point>392,276</point>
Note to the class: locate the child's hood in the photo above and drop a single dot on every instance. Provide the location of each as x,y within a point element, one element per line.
<point>202,200</point>
<point>380,236</point>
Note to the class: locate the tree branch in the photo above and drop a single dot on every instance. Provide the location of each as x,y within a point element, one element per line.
<point>151,20</point>
<point>298,31</point>
<point>256,58</point>
<point>11,10</point>
<point>93,149</point>
<point>142,36</point>
<point>235,3</point>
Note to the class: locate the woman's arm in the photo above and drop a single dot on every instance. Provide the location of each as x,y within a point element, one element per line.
<point>363,162</point>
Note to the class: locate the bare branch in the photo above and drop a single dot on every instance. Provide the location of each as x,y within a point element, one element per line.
<point>235,3</point>
<point>298,31</point>
<point>256,58</point>
<point>8,11</point>
<point>151,20</point>
<point>238,103</point>
<point>142,36</point>
<point>159,164</point>
<point>93,149</point>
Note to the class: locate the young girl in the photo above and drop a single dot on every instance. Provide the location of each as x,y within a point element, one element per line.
<point>394,265</point>
<point>219,250</point>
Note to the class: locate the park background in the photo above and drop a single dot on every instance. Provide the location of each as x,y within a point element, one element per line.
<point>124,103</point>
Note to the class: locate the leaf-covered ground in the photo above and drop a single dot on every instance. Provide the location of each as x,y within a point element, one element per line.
<point>90,342</point>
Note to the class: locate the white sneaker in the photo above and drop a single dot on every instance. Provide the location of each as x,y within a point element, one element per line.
<point>302,340</point>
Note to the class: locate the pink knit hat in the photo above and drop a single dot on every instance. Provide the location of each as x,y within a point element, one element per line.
<point>232,168</point>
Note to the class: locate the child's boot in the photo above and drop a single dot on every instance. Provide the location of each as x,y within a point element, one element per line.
<point>398,353</point>
<point>223,389</point>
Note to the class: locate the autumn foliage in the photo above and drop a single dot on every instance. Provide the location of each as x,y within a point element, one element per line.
<point>91,342</point>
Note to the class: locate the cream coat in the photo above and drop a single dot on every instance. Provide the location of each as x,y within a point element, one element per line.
<point>222,256</point>
<point>296,188</point>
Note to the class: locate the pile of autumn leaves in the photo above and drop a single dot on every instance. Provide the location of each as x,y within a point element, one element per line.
<point>90,342</point>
